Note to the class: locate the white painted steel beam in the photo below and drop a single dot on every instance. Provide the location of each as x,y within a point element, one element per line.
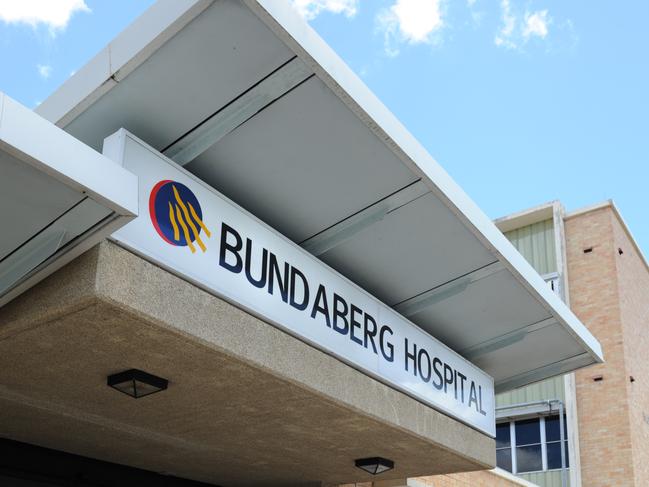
<point>505,340</point>
<point>237,112</point>
<point>428,298</point>
<point>347,228</point>
<point>550,370</point>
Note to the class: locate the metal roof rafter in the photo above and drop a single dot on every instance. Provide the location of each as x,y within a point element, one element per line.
<point>451,288</point>
<point>505,340</point>
<point>347,228</point>
<point>240,110</point>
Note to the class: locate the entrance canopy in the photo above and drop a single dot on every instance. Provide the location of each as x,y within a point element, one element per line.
<point>248,98</point>
<point>59,198</point>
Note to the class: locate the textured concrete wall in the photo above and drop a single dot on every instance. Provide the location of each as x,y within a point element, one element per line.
<point>603,406</point>
<point>239,386</point>
<point>136,285</point>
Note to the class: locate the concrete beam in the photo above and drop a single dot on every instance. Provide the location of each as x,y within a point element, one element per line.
<point>240,389</point>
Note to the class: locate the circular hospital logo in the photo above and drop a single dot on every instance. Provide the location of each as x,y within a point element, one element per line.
<point>176,215</point>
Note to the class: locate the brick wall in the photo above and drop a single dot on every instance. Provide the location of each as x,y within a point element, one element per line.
<point>633,290</point>
<point>484,478</point>
<point>605,428</point>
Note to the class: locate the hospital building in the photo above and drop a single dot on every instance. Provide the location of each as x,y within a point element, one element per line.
<point>225,263</point>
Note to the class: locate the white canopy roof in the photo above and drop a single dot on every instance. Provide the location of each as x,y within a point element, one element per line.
<point>246,96</point>
<point>58,197</point>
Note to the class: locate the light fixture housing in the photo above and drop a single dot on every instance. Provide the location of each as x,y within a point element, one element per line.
<point>137,383</point>
<point>375,465</point>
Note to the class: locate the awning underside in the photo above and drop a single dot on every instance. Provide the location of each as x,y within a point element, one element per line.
<point>51,209</point>
<point>234,105</point>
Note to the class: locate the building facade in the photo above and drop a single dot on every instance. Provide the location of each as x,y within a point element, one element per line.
<point>229,264</point>
<point>591,260</point>
<point>609,283</point>
<point>529,421</point>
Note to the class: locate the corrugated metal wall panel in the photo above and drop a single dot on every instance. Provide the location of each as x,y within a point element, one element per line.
<point>547,389</point>
<point>536,243</point>
<point>544,479</point>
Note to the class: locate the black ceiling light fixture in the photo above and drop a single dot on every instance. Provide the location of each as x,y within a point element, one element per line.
<point>375,465</point>
<point>137,383</point>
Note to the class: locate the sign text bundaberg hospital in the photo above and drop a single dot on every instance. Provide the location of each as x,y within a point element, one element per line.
<point>340,315</point>
<point>197,233</point>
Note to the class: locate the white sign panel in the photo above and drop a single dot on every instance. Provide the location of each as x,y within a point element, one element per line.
<point>194,231</point>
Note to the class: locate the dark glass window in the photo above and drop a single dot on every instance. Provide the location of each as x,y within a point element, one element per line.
<point>528,458</point>
<point>504,458</point>
<point>503,437</point>
<point>528,445</point>
<point>552,428</point>
<point>553,440</point>
<point>528,432</point>
<point>554,455</point>
<point>503,446</point>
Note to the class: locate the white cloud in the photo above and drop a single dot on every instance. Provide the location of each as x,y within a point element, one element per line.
<point>506,32</point>
<point>44,70</point>
<point>476,16</point>
<point>515,31</point>
<point>55,14</point>
<point>536,24</point>
<point>410,21</point>
<point>310,9</point>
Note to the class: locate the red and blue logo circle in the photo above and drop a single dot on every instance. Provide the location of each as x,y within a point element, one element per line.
<point>177,216</point>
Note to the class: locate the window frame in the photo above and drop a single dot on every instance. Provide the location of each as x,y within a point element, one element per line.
<point>513,444</point>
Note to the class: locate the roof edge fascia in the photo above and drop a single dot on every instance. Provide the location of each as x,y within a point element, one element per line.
<point>134,45</point>
<point>527,217</point>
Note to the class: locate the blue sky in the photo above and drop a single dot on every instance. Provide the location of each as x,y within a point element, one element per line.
<point>521,101</point>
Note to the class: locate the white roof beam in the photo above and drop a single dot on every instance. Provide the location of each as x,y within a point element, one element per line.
<point>347,228</point>
<point>505,340</point>
<point>550,370</point>
<point>241,109</point>
<point>451,288</point>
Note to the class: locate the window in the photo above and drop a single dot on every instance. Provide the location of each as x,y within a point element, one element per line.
<point>530,445</point>
<point>503,446</point>
<point>553,442</point>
